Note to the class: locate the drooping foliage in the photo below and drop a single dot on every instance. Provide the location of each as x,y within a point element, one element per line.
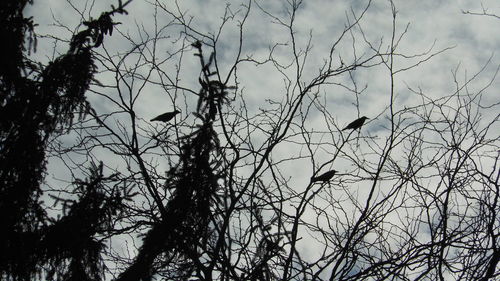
<point>175,245</point>
<point>35,102</point>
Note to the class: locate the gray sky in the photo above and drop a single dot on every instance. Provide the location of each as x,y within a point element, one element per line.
<point>474,39</point>
<point>470,42</point>
<point>431,25</point>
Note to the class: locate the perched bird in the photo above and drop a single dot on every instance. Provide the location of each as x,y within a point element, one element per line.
<point>356,124</point>
<point>165,117</point>
<point>324,177</point>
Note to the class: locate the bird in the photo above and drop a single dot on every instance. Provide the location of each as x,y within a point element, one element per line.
<point>165,117</point>
<point>324,177</point>
<point>356,124</point>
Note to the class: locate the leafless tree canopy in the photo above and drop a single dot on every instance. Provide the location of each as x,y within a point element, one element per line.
<point>243,187</point>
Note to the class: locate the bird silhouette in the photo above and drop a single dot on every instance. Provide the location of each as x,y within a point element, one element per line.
<point>323,177</point>
<point>356,124</point>
<point>165,117</point>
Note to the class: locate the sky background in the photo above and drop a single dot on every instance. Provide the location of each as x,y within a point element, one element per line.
<point>470,43</point>
<point>432,26</point>
<point>441,24</point>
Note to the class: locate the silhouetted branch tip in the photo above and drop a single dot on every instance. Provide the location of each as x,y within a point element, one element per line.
<point>197,44</point>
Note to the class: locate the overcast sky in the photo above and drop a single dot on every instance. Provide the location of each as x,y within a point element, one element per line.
<point>469,42</point>
<point>474,38</point>
<point>431,25</point>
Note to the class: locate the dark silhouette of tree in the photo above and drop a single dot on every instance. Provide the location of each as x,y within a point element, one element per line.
<point>37,102</point>
<point>233,191</point>
<point>184,225</point>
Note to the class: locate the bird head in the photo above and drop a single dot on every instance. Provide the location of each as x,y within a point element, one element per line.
<point>176,111</point>
<point>364,117</point>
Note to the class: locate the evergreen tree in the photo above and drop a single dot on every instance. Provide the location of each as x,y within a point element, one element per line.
<point>36,102</point>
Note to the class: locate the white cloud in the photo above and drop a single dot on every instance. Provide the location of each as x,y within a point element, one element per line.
<point>474,38</point>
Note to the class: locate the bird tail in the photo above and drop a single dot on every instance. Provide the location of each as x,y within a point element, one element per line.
<point>154,119</point>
